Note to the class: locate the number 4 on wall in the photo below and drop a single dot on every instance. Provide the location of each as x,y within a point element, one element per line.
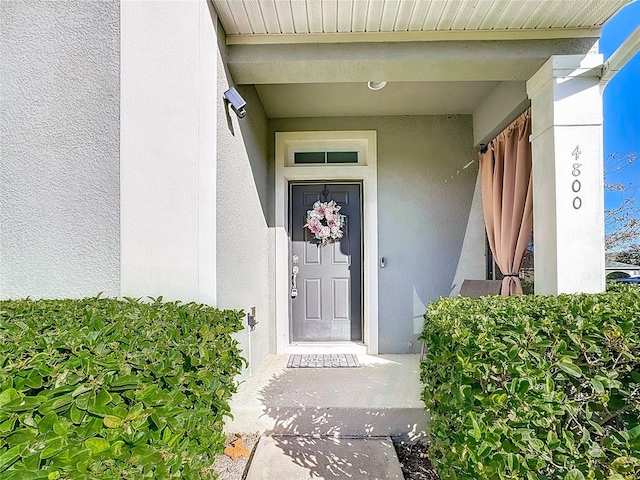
<point>576,152</point>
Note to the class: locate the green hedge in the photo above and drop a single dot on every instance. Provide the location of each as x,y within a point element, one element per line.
<point>103,388</point>
<point>534,387</point>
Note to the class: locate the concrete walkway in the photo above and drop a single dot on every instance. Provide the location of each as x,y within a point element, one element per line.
<point>324,458</point>
<point>381,398</point>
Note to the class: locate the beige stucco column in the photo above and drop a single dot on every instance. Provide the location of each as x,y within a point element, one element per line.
<point>568,193</point>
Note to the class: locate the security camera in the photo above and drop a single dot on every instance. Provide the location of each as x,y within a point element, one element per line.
<point>237,103</point>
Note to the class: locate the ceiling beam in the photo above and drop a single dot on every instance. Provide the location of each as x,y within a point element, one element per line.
<point>513,60</point>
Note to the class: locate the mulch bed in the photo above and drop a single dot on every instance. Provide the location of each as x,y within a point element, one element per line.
<point>228,469</point>
<point>414,460</point>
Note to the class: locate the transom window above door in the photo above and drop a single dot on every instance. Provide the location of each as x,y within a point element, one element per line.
<point>313,150</point>
<point>306,158</point>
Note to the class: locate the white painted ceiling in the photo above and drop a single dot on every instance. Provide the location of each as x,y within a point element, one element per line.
<point>355,99</point>
<point>260,17</point>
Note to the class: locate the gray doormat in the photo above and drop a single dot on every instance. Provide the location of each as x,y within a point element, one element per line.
<point>327,360</point>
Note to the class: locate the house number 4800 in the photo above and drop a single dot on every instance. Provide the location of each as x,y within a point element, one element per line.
<point>576,185</point>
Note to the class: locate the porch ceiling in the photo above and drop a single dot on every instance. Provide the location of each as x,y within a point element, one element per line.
<point>438,56</point>
<point>319,20</point>
<point>351,99</point>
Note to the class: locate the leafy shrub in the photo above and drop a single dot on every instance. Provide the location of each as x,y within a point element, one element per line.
<point>535,387</point>
<point>102,388</point>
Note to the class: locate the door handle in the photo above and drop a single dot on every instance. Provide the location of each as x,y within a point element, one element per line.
<point>294,281</point>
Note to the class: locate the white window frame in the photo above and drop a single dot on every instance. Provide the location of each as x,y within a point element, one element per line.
<point>337,145</point>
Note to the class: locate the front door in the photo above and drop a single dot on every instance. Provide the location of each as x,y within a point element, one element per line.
<point>326,304</point>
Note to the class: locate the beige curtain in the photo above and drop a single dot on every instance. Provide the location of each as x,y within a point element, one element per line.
<point>507,199</point>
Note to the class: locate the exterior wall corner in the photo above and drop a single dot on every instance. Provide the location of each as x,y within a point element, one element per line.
<point>568,185</point>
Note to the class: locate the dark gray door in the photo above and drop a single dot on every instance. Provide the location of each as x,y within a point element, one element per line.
<point>328,306</point>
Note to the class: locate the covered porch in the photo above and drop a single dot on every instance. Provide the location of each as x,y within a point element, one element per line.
<point>454,77</point>
<point>434,98</point>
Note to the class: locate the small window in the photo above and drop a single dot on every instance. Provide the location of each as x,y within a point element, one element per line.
<point>342,157</point>
<point>309,157</point>
<point>302,158</point>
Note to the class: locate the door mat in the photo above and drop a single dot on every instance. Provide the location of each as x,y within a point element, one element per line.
<point>327,360</point>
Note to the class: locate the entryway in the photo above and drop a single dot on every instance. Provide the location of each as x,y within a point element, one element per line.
<point>326,280</point>
<point>327,302</point>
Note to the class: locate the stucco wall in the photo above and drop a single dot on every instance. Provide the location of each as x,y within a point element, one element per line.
<point>194,181</point>
<point>244,241</point>
<point>168,163</point>
<point>424,204</point>
<point>472,264</point>
<point>59,148</point>
<point>501,107</point>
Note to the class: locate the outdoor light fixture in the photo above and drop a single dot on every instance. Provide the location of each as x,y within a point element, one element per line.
<point>233,98</point>
<point>251,319</point>
<point>376,85</point>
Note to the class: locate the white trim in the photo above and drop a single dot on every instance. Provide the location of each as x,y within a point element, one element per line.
<point>365,173</point>
<point>620,57</point>
<point>420,36</point>
<point>332,145</point>
<point>327,347</point>
<point>565,67</point>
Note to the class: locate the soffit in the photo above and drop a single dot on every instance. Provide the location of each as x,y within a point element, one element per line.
<point>355,99</point>
<point>301,20</point>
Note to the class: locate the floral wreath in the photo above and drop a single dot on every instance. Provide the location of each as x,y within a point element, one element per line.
<point>325,222</point>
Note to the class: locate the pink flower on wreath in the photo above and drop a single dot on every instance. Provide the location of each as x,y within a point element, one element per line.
<point>315,226</point>
<point>333,220</point>
<point>320,210</point>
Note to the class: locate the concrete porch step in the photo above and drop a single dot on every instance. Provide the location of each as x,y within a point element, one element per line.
<point>380,398</point>
<point>320,458</point>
